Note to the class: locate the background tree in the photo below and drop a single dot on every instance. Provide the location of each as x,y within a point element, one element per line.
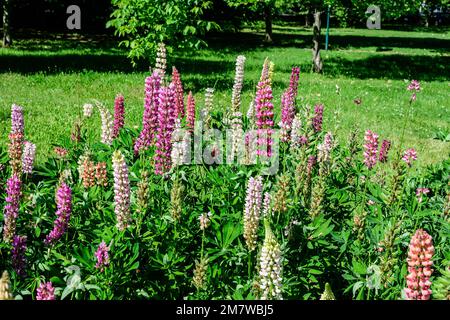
<point>144,23</point>
<point>7,41</point>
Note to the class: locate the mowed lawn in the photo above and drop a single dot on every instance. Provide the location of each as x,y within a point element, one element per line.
<point>52,76</point>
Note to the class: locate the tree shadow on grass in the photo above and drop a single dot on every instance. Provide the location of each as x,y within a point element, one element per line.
<point>392,66</point>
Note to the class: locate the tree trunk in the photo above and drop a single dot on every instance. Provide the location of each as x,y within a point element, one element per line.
<point>268,21</point>
<point>307,21</point>
<point>7,41</point>
<point>317,60</point>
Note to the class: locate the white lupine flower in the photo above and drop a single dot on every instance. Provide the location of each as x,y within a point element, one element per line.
<point>29,153</point>
<point>161,60</point>
<point>87,110</point>
<point>238,82</point>
<point>107,125</point>
<point>252,211</point>
<point>270,271</point>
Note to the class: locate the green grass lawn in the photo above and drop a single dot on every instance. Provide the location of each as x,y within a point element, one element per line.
<point>52,76</point>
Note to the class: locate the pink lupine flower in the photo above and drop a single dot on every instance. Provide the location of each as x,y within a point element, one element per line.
<point>287,114</point>
<point>293,85</point>
<point>420,257</point>
<point>266,205</point>
<point>252,211</point>
<point>102,256</point>
<point>415,87</point>
<point>61,152</point>
<point>370,149</point>
<point>166,120</point>
<point>150,117</point>
<point>13,194</point>
<point>264,118</point>
<point>19,246</point>
<point>420,192</point>
<point>29,152</point>
<point>45,291</point>
<point>121,190</point>
<point>205,220</point>
<point>409,156</point>
<point>384,150</point>
<point>318,118</point>
<point>64,209</point>
<point>190,112</point>
<point>119,115</point>
<point>179,95</point>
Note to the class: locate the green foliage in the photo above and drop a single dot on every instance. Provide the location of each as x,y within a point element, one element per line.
<point>142,24</point>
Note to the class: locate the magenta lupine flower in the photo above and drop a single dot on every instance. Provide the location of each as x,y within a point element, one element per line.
<point>384,150</point>
<point>420,192</point>
<point>29,152</point>
<point>18,258</point>
<point>293,84</point>
<point>287,114</point>
<point>17,124</point>
<point>150,118</point>
<point>102,256</point>
<point>166,120</point>
<point>414,86</point>
<point>45,291</point>
<point>13,194</point>
<point>119,115</point>
<point>252,211</point>
<point>121,190</point>
<point>409,156</point>
<point>179,95</point>
<point>420,261</point>
<point>190,112</point>
<point>64,209</point>
<point>264,118</point>
<point>370,149</point>
<point>318,118</point>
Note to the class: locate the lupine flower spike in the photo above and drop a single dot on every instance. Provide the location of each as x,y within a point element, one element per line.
<point>150,117</point>
<point>327,293</point>
<point>13,194</point>
<point>384,150</point>
<point>5,287</point>
<point>63,212</point>
<point>270,268</point>
<point>45,291</point>
<point>414,86</point>
<point>238,82</point>
<point>252,211</point>
<point>107,124</point>
<point>370,149</point>
<point>18,258</point>
<point>119,115</point>
<point>166,120</point>
<point>190,112</point>
<point>161,60</point>
<point>102,256</point>
<point>121,191</point>
<point>16,137</point>
<point>179,94</point>
<point>409,156</point>
<point>420,261</point>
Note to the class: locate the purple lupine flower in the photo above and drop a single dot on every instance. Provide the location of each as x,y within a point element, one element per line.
<point>287,114</point>
<point>17,123</point>
<point>190,112</point>
<point>421,192</point>
<point>13,194</point>
<point>119,115</point>
<point>318,118</point>
<point>238,82</point>
<point>18,258</point>
<point>252,211</point>
<point>45,291</point>
<point>409,156</point>
<point>150,118</point>
<point>370,149</point>
<point>29,153</point>
<point>121,190</point>
<point>102,256</point>
<point>264,118</point>
<point>64,209</point>
<point>166,120</point>
<point>414,86</point>
<point>384,150</point>
<point>179,95</point>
